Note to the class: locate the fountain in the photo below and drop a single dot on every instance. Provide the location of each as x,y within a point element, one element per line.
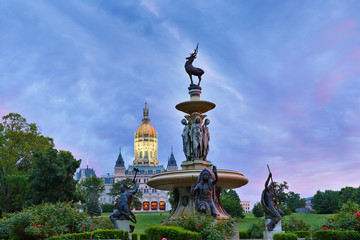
<point>196,146</point>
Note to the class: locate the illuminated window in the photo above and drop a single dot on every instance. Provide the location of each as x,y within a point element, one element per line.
<point>146,206</point>
<point>154,205</point>
<point>162,205</point>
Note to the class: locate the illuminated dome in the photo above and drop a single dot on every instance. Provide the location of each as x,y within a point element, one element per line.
<point>145,143</point>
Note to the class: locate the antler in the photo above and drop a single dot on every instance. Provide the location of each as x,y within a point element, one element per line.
<point>196,49</point>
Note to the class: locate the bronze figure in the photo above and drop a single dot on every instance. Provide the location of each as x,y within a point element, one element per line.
<point>204,192</point>
<point>191,70</point>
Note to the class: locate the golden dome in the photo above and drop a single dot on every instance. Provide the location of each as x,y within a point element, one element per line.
<point>145,128</point>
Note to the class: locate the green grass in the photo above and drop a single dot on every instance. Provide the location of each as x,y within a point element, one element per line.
<point>144,219</point>
<point>311,219</point>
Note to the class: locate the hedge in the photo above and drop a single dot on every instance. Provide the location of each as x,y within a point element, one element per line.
<point>244,235</point>
<point>143,236</point>
<point>336,235</point>
<point>174,233</point>
<point>302,234</point>
<point>134,236</point>
<point>285,236</point>
<point>98,234</point>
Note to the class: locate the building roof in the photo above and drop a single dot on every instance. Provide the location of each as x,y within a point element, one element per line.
<point>85,173</point>
<point>120,161</point>
<point>145,128</point>
<point>172,161</point>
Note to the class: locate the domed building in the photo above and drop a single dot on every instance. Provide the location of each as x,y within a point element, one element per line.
<point>145,159</point>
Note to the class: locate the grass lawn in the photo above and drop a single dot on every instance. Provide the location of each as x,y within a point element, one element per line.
<point>144,219</point>
<point>311,219</point>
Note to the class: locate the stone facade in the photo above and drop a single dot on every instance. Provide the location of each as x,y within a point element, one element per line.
<point>145,159</point>
<point>245,205</point>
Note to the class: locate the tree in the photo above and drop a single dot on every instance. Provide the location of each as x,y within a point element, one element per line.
<point>326,202</point>
<point>231,202</point>
<point>115,192</point>
<point>258,210</point>
<point>93,187</point>
<point>294,201</point>
<point>19,141</point>
<point>346,194</point>
<point>51,178</point>
<point>288,201</point>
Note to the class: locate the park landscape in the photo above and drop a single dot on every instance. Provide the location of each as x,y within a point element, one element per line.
<point>278,80</point>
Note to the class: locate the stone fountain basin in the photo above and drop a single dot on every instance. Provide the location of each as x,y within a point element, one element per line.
<point>168,181</point>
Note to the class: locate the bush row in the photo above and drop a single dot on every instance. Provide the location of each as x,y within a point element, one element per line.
<point>98,234</point>
<point>285,236</point>
<point>336,235</point>
<point>134,236</point>
<point>174,233</point>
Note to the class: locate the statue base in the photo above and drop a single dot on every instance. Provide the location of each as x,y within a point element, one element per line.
<point>124,225</point>
<point>277,229</point>
<point>196,165</point>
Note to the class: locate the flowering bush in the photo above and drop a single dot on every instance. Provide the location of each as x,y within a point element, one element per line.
<point>347,219</point>
<point>45,220</point>
<point>256,229</point>
<point>207,226</point>
<point>292,224</point>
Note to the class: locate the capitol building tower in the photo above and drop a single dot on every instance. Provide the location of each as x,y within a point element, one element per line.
<point>146,143</point>
<point>146,160</point>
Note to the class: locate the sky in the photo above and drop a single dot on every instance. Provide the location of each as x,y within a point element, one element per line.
<point>284,76</point>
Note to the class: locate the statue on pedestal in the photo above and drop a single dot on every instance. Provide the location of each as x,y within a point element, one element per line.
<point>123,205</point>
<point>269,203</point>
<point>196,137</point>
<point>204,192</point>
<point>191,70</point>
<point>205,139</point>
<point>186,139</point>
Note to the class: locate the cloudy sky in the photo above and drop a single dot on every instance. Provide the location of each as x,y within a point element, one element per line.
<point>283,74</point>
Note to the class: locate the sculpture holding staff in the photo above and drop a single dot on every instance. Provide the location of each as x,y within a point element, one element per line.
<point>123,205</point>
<point>269,203</point>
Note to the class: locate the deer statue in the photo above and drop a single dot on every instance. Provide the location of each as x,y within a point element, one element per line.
<point>190,69</point>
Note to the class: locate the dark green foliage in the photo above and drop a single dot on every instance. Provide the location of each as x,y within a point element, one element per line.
<point>108,207</point>
<point>51,178</point>
<point>207,226</point>
<point>143,236</point>
<point>285,209</point>
<point>256,230</point>
<point>244,235</point>
<point>45,220</point>
<point>98,234</point>
<point>289,199</point>
<point>19,141</point>
<point>285,236</point>
<point>348,218</point>
<point>336,235</point>
<point>258,210</point>
<point>293,224</point>
<point>231,202</point>
<point>294,201</point>
<point>134,236</point>
<point>115,192</point>
<point>302,234</point>
<point>93,187</point>
<point>169,232</point>
<point>326,202</point>
<point>346,194</point>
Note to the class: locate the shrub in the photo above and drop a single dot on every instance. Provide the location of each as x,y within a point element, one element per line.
<point>134,236</point>
<point>302,234</point>
<point>285,236</point>
<point>258,210</point>
<point>98,234</point>
<point>207,226</point>
<point>256,229</point>
<point>347,219</point>
<point>244,235</point>
<point>143,236</point>
<point>46,220</point>
<point>170,232</point>
<point>292,224</point>
<point>107,207</point>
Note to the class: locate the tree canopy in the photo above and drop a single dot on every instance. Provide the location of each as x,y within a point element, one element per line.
<point>231,202</point>
<point>93,187</point>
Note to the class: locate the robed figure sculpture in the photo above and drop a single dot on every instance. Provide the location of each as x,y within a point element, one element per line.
<point>269,204</point>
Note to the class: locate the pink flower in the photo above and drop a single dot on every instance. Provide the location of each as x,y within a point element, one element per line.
<point>163,239</point>
<point>357,214</point>
<point>55,233</point>
<point>199,224</point>
<point>325,228</point>
<point>291,223</point>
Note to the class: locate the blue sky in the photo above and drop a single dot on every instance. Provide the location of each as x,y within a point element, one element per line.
<point>283,74</point>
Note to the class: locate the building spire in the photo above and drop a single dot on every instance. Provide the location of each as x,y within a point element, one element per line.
<point>146,113</point>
